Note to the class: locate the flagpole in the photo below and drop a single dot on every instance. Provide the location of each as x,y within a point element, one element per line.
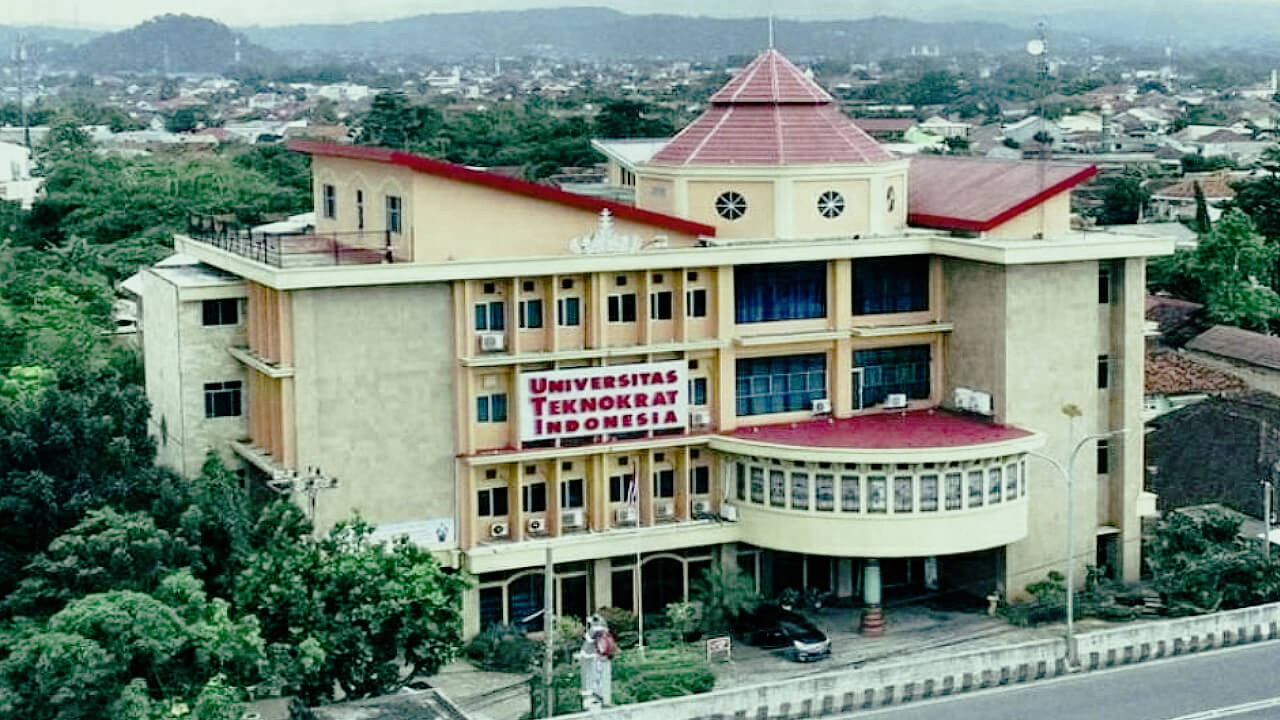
<point>633,498</point>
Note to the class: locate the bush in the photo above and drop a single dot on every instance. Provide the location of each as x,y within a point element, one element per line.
<point>623,625</point>
<point>660,673</point>
<point>503,648</point>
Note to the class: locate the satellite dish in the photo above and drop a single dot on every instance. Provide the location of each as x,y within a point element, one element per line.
<point>1035,47</point>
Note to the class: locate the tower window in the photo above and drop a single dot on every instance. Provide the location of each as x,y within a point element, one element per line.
<point>731,205</point>
<point>831,204</point>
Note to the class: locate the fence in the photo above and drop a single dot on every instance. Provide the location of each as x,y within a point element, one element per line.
<point>879,685</point>
<point>298,249</point>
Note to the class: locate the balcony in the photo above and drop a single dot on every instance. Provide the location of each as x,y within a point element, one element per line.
<point>902,484</point>
<point>300,249</point>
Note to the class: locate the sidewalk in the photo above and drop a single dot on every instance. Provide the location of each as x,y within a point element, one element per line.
<point>910,631</point>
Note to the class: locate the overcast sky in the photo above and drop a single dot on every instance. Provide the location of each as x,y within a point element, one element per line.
<point>115,14</point>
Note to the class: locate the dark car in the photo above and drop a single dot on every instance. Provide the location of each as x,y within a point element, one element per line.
<point>770,626</point>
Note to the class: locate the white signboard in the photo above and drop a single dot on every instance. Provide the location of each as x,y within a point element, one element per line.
<point>594,401</point>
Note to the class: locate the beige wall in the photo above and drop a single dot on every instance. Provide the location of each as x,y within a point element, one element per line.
<point>807,222</point>
<point>374,398</point>
<point>758,222</point>
<point>182,355</point>
<point>656,194</point>
<point>1051,219</point>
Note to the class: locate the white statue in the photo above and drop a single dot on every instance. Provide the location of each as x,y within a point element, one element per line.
<point>596,659</point>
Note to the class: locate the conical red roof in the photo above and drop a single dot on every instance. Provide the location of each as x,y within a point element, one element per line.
<point>771,114</point>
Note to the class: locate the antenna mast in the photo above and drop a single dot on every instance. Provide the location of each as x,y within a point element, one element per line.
<point>20,59</point>
<point>770,31</point>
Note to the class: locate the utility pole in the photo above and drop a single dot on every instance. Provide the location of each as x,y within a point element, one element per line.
<point>549,634</point>
<point>20,59</point>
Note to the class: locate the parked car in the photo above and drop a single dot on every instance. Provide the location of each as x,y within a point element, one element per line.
<point>770,626</point>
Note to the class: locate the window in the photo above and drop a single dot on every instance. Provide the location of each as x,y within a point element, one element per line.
<point>330,201</point>
<point>222,399</point>
<point>902,494</point>
<point>491,502</point>
<point>568,312</point>
<point>1104,456</point>
<point>359,209</point>
<point>1104,372</point>
<point>1011,481</point>
<point>740,476</point>
<point>851,493</point>
<point>528,286</point>
<point>491,408</point>
<point>777,488</point>
<point>620,280</point>
<point>695,302</point>
<point>891,285</point>
<point>571,495</point>
<point>975,488</point>
<point>799,491</point>
<point>928,493</point>
<point>780,384</point>
<point>830,204</point>
<point>955,490</point>
<point>995,482</point>
<point>1104,286</point>
<point>664,483</point>
<point>779,291</point>
<point>489,316</point>
<point>533,497</point>
<point>890,199</point>
<point>757,485</point>
<point>622,308</point>
<point>891,370</point>
<point>220,312</point>
<point>660,305</point>
<point>824,492</point>
<point>876,494</point>
<point>698,391</point>
<point>620,487</point>
<point>566,283</point>
<point>657,278</point>
<point>531,314</point>
<point>393,213</point>
<point>731,205</point>
<point>700,480</point>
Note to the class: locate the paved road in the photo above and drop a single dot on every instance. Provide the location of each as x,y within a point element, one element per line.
<point>1239,683</point>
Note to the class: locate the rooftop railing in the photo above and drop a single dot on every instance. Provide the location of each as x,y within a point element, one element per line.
<point>296,249</point>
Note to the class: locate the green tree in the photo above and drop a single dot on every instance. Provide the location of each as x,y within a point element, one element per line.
<point>1201,224</point>
<point>390,122</point>
<point>347,611</point>
<point>1122,200</point>
<point>630,119</point>
<point>1201,564</point>
<point>725,595</point>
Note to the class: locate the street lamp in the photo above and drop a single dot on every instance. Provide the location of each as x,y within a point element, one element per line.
<point>1067,472</point>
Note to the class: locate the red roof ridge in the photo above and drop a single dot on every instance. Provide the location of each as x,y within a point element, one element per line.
<point>440,168</point>
<point>986,218</point>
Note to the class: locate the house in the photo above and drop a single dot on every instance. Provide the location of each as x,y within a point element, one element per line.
<point>794,354</point>
<point>1173,380</point>
<point>1029,129</point>
<point>943,127</point>
<point>16,181</point>
<point>1178,200</point>
<point>1250,356</point>
<point>885,129</point>
<point>1215,451</point>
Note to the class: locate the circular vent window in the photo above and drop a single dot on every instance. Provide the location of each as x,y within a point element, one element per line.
<point>830,204</point>
<point>731,205</point>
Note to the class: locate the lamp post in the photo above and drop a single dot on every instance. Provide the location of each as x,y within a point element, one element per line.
<point>1068,472</point>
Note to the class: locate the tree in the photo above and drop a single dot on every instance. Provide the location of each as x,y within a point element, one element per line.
<point>1201,564</point>
<point>346,610</point>
<point>1201,224</point>
<point>1122,200</point>
<point>390,121</point>
<point>105,551</point>
<point>629,119</point>
<point>725,595</point>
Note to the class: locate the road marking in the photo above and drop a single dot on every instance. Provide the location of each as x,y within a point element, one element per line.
<point>1068,677</point>
<point>1233,710</point>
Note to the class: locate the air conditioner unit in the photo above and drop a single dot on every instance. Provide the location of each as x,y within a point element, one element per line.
<point>699,418</point>
<point>895,401</point>
<point>574,518</point>
<point>981,403</point>
<point>728,512</point>
<point>821,406</point>
<point>499,529</point>
<point>664,508</point>
<point>701,507</point>
<point>964,398</point>
<point>493,342</point>
<point>625,515</point>
<point>536,526</point>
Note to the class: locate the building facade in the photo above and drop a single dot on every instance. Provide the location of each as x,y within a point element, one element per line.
<point>796,354</point>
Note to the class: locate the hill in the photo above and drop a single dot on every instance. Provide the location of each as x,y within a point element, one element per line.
<point>600,33</point>
<point>169,43</point>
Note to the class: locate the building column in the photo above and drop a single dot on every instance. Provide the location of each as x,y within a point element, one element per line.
<point>470,611</point>
<point>872,617</point>
<point>728,557</point>
<point>601,583</point>
<point>844,577</point>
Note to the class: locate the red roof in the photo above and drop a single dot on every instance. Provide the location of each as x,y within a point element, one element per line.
<point>1239,344</point>
<point>771,114</point>
<point>977,194</point>
<point>1171,373</point>
<point>431,166</point>
<point>885,431</point>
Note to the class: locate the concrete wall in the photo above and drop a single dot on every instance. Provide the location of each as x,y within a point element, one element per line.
<point>163,371</point>
<point>374,398</point>
<point>1137,642</point>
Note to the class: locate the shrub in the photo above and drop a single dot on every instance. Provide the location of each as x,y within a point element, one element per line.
<point>623,625</point>
<point>503,648</point>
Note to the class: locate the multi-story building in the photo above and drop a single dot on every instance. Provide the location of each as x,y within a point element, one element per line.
<point>795,354</point>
